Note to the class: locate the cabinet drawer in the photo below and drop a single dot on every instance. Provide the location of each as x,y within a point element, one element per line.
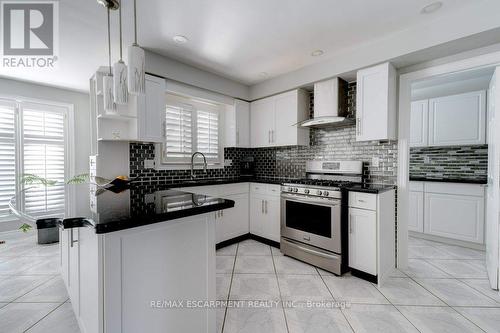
<point>258,188</point>
<point>457,189</point>
<point>273,189</point>
<point>230,189</point>
<point>363,200</point>
<point>416,186</point>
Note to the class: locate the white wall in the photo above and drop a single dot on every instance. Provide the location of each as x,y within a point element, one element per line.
<point>472,20</point>
<point>82,119</point>
<point>177,71</point>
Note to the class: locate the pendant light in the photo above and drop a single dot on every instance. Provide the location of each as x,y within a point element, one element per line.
<point>107,83</point>
<point>136,63</point>
<point>120,73</point>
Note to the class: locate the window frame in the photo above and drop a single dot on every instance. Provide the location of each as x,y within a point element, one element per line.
<point>69,146</point>
<point>196,104</point>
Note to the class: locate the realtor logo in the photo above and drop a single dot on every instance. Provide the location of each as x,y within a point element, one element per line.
<point>30,33</point>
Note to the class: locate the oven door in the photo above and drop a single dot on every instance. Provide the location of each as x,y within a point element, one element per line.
<point>311,220</point>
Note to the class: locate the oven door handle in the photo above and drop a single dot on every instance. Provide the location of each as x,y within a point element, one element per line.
<point>301,198</point>
<point>310,251</point>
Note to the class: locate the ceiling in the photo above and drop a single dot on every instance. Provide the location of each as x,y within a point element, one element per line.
<point>239,39</point>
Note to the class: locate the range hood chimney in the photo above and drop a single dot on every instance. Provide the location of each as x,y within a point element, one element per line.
<point>330,105</point>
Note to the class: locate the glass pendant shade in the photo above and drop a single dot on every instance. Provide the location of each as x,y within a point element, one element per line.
<point>136,70</point>
<point>107,87</point>
<point>120,91</point>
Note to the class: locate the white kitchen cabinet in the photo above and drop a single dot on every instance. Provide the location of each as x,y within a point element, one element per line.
<point>70,263</point>
<point>416,211</point>
<point>376,103</point>
<point>273,120</point>
<point>233,222</point>
<point>454,211</point>
<point>363,240</point>
<point>151,111</point>
<point>371,230</point>
<point>265,211</point>
<point>419,128</point>
<point>237,125</point>
<point>261,122</point>
<point>458,119</point>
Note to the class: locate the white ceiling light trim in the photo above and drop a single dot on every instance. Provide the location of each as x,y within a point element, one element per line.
<point>136,63</point>
<point>432,7</point>
<point>179,39</point>
<point>317,53</point>
<point>120,73</point>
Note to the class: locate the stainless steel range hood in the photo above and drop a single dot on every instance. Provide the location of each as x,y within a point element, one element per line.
<point>330,105</point>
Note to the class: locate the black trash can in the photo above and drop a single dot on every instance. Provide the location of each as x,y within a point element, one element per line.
<point>48,230</point>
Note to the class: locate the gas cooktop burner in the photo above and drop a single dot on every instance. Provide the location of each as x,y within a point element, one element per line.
<point>319,182</point>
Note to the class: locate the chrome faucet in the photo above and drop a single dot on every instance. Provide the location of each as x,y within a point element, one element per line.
<point>192,163</point>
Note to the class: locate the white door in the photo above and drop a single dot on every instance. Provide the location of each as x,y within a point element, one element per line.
<point>261,122</point>
<point>458,119</point>
<point>419,123</point>
<point>151,111</point>
<point>285,131</point>
<point>234,221</point>
<point>363,240</point>
<point>492,192</point>
<point>416,219</point>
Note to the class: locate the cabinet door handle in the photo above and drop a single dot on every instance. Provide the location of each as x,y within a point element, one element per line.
<point>265,206</point>
<point>237,137</point>
<point>269,136</point>
<point>71,238</point>
<point>215,214</point>
<point>164,128</point>
<point>350,227</point>
<point>272,136</point>
<point>221,213</point>
<point>262,204</point>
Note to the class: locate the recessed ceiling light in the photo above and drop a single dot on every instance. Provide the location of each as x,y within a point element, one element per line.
<point>179,39</point>
<point>432,7</point>
<point>263,74</point>
<point>317,53</point>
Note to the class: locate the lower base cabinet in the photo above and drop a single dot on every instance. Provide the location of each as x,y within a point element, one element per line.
<point>232,222</point>
<point>265,216</point>
<point>362,243</point>
<point>450,210</point>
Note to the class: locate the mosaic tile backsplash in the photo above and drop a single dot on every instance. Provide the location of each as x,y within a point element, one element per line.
<point>461,162</point>
<point>289,162</point>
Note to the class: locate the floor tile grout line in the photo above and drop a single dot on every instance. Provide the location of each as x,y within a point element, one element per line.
<point>57,307</point>
<point>279,290</point>
<point>335,300</point>
<point>36,287</point>
<point>229,291</point>
<point>478,290</point>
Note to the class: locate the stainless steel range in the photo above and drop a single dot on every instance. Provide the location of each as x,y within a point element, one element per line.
<point>314,214</point>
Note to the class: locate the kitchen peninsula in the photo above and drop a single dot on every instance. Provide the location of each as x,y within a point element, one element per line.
<point>129,248</point>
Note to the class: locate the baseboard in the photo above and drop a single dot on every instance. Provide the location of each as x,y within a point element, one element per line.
<point>449,241</point>
<point>244,237</point>
<point>363,275</point>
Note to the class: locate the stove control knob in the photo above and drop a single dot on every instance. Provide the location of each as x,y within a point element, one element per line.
<point>295,190</point>
<point>325,193</point>
<point>319,192</point>
<point>306,191</point>
<point>290,189</point>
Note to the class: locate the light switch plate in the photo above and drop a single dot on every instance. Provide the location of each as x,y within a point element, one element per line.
<point>375,162</point>
<point>149,164</point>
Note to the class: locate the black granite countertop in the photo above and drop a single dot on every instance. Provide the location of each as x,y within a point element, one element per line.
<point>450,180</point>
<point>135,205</point>
<point>368,188</point>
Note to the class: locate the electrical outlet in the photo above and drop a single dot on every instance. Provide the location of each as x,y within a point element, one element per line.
<point>375,162</point>
<point>228,163</point>
<point>149,164</point>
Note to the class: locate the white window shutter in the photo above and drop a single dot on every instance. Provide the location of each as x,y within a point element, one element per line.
<point>208,134</point>
<point>44,151</point>
<point>178,133</point>
<point>7,155</point>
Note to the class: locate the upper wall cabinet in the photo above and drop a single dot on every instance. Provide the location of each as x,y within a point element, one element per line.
<point>449,121</point>
<point>273,120</point>
<point>376,103</point>
<point>419,129</point>
<point>237,125</point>
<point>151,110</point>
<point>458,119</point>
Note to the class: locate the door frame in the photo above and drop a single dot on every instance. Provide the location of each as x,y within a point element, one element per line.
<point>405,82</point>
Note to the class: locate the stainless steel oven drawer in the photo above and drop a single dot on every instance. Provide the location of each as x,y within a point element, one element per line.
<point>323,259</point>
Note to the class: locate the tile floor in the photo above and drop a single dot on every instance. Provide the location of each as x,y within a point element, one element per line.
<point>444,290</point>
